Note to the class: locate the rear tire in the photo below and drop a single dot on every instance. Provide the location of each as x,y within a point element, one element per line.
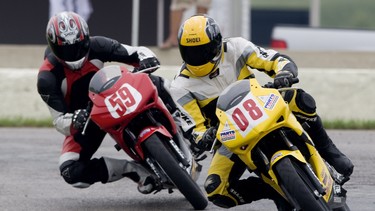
<point>292,183</point>
<point>182,180</point>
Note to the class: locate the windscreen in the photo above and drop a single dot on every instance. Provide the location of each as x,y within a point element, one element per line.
<point>104,79</point>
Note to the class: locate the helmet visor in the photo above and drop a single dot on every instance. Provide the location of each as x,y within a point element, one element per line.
<point>73,52</point>
<point>199,55</point>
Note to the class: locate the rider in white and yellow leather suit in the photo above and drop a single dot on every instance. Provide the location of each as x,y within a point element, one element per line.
<point>210,65</point>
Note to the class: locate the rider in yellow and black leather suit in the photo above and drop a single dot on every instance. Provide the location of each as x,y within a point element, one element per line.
<point>210,65</point>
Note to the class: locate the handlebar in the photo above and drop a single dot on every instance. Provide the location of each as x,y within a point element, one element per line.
<point>272,85</point>
<point>146,70</point>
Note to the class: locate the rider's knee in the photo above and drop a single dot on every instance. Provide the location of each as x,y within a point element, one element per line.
<point>73,173</point>
<point>211,185</point>
<point>213,181</point>
<point>305,102</point>
<point>162,86</point>
<point>300,101</point>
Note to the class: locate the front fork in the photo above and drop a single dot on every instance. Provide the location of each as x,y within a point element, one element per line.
<point>180,150</point>
<point>305,165</point>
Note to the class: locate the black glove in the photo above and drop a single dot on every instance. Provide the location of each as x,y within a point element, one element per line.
<point>147,63</point>
<point>283,79</point>
<point>79,119</point>
<point>208,139</point>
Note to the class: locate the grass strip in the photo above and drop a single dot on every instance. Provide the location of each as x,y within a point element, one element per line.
<point>331,124</point>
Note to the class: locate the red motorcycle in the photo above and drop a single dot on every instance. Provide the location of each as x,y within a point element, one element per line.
<point>126,105</point>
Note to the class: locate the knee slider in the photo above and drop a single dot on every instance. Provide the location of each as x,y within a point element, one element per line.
<point>72,172</point>
<point>213,181</point>
<point>305,102</point>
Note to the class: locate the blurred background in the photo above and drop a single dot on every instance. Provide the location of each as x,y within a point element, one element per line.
<point>23,22</point>
<point>332,42</point>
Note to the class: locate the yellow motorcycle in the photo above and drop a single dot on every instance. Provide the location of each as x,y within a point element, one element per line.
<point>257,125</point>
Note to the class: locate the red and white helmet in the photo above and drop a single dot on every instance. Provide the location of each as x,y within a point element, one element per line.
<point>68,37</point>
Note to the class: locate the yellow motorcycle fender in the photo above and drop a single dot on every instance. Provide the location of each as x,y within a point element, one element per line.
<point>273,182</point>
<point>281,154</point>
<point>316,162</point>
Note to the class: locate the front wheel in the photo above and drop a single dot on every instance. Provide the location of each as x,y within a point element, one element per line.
<point>292,181</point>
<point>182,180</point>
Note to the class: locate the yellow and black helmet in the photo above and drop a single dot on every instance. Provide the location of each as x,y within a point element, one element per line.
<point>200,41</point>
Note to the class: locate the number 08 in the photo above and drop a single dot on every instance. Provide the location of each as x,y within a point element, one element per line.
<point>253,111</point>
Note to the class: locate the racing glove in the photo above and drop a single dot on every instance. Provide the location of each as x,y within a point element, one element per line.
<point>147,63</point>
<point>207,139</point>
<point>283,79</point>
<point>79,118</point>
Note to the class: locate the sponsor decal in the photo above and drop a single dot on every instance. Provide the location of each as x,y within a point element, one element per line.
<point>271,101</point>
<point>144,132</point>
<point>238,195</point>
<point>227,135</point>
<point>262,52</point>
<point>276,156</point>
<point>184,117</point>
<point>193,40</point>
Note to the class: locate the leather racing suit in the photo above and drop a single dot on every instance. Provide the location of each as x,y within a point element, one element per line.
<point>197,97</point>
<point>65,91</point>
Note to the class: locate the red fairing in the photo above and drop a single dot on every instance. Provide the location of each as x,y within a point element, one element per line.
<point>128,97</point>
<point>118,100</point>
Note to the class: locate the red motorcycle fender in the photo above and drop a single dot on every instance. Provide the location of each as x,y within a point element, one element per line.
<point>146,133</point>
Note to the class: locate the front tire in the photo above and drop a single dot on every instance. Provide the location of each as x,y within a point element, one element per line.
<point>182,180</point>
<point>290,180</point>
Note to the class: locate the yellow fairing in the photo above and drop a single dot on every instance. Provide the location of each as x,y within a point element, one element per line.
<point>262,111</point>
<point>247,113</point>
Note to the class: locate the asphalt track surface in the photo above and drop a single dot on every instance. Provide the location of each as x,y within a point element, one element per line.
<point>29,177</point>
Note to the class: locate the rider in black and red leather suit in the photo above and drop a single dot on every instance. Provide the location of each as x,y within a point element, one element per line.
<point>71,59</point>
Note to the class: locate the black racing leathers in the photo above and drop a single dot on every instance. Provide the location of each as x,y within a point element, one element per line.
<point>65,90</point>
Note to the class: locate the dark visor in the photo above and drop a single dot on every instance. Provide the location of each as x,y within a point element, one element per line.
<point>199,55</point>
<point>72,52</point>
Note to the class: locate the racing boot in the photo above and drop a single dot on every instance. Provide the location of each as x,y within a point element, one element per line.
<point>118,169</point>
<point>262,190</point>
<point>244,191</point>
<point>328,149</point>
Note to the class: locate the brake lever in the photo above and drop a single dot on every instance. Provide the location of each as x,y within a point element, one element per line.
<point>88,109</point>
<point>148,70</point>
<point>84,128</point>
<point>213,146</point>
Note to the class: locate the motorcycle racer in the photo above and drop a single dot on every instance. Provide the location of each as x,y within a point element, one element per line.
<point>210,65</point>
<point>71,59</point>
